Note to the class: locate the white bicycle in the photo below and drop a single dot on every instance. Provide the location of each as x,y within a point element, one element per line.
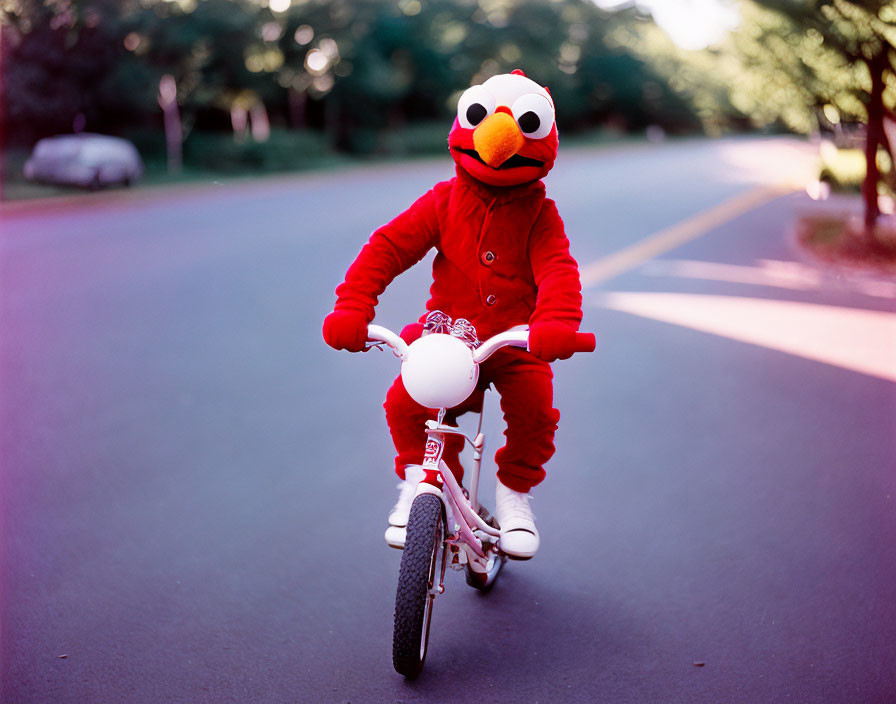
<point>447,527</point>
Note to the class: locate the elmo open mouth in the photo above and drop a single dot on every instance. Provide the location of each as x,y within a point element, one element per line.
<point>511,163</point>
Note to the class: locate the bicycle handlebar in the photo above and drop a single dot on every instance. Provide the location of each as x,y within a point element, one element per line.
<point>381,334</point>
<point>585,342</point>
<point>515,338</point>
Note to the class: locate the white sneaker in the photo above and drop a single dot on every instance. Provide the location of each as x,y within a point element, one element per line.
<point>519,537</point>
<point>398,517</point>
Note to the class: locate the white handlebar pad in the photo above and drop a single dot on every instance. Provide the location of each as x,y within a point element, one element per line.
<point>381,334</point>
<point>512,338</point>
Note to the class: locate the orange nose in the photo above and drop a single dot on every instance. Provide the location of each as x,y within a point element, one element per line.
<point>497,139</point>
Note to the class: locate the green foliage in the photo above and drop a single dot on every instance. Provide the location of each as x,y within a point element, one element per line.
<point>844,169</point>
<point>420,138</point>
<point>55,58</point>
<point>794,57</point>
<point>356,72</point>
<point>814,64</point>
<point>283,151</point>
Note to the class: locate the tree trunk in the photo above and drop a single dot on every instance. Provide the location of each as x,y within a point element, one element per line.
<point>174,131</point>
<point>874,137</point>
<point>297,104</point>
<point>889,139</point>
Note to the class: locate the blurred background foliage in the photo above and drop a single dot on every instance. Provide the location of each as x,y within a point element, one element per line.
<point>279,83</point>
<point>353,72</point>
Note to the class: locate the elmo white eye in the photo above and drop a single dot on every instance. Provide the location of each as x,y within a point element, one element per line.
<point>474,106</point>
<point>534,114</point>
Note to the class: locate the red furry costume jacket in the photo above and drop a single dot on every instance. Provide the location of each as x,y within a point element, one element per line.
<point>502,257</point>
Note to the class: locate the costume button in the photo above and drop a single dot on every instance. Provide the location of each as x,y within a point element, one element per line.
<point>488,257</point>
<point>491,300</point>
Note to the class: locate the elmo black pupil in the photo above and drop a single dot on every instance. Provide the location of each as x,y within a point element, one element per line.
<point>476,113</point>
<point>529,122</point>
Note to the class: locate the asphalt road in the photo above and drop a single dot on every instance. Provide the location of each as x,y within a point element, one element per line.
<point>194,487</point>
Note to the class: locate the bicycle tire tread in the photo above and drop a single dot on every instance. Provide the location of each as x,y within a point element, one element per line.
<point>413,584</point>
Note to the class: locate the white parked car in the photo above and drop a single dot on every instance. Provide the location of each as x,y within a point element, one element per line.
<point>86,160</point>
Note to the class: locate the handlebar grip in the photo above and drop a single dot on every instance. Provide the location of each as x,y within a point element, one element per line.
<point>585,342</point>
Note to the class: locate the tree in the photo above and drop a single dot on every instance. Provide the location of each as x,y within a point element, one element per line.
<point>805,62</point>
<point>55,60</point>
<point>354,70</point>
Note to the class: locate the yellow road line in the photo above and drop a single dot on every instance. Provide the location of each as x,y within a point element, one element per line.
<point>626,259</point>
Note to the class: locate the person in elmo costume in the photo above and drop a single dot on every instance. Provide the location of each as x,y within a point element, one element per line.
<point>502,261</point>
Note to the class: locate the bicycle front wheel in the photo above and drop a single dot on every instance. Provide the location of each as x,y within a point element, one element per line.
<point>417,584</point>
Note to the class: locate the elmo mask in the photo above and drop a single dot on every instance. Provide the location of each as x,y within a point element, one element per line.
<point>504,133</point>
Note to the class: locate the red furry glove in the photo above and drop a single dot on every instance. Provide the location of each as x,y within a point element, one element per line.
<point>346,330</point>
<point>551,341</point>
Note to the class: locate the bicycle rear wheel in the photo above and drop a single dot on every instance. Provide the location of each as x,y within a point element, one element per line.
<point>417,581</point>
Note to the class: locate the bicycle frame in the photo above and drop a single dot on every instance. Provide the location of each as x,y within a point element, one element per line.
<point>464,510</point>
<point>461,538</point>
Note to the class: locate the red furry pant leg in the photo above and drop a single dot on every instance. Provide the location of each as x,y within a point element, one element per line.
<point>526,389</point>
